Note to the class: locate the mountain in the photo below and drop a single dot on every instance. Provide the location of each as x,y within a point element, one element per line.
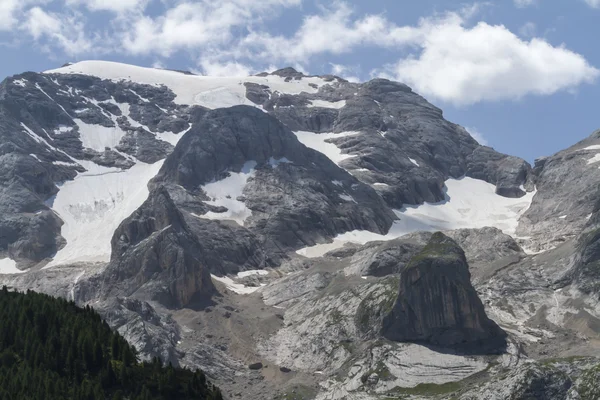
<point>301,236</point>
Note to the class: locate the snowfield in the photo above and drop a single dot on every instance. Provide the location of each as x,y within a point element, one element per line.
<point>318,142</point>
<point>8,266</point>
<point>210,92</point>
<point>94,204</point>
<point>470,203</point>
<point>225,193</point>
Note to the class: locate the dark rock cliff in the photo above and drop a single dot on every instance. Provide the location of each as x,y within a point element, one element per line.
<point>437,304</point>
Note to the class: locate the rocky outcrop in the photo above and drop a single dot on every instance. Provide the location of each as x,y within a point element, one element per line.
<point>297,196</point>
<point>567,191</point>
<point>155,256</point>
<point>529,381</point>
<point>437,305</point>
<point>402,142</point>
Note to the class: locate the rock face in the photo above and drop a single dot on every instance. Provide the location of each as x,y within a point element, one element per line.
<point>567,192</point>
<point>156,256</point>
<point>402,140</point>
<point>437,304</point>
<point>296,196</point>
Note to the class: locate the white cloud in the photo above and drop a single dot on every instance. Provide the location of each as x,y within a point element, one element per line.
<point>66,32</point>
<point>346,72</point>
<point>488,62</point>
<point>192,25</point>
<point>593,3</point>
<point>117,6</point>
<point>475,134</point>
<point>12,10</point>
<point>526,3</point>
<point>449,58</point>
<point>230,68</point>
<point>334,31</point>
<point>528,30</point>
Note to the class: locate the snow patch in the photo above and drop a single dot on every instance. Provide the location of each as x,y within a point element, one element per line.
<point>98,137</point>
<point>414,162</point>
<point>318,141</point>
<point>338,183</point>
<point>327,104</point>
<point>94,204</point>
<point>593,147</point>
<point>470,203</point>
<point>224,193</point>
<point>20,82</point>
<point>594,159</point>
<point>347,198</point>
<point>8,266</point>
<point>381,184</point>
<point>236,287</point>
<point>253,272</point>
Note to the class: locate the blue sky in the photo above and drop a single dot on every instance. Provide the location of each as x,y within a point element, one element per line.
<point>520,74</point>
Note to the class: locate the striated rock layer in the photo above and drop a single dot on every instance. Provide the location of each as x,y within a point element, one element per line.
<point>437,304</point>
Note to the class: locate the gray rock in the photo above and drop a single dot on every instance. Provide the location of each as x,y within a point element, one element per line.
<point>155,256</point>
<point>436,303</point>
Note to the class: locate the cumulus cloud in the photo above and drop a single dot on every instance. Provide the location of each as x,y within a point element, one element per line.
<point>488,62</point>
<point>61,30</point>
<point>12,10</point>
<point>230,68</point>
<point>346,72</point>
<point>334,31</point>
<point>192,25</point>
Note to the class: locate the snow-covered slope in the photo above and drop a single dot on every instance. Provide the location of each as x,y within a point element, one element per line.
<point>470,203</point>
<point>93,205</point>
<point>210,92</point>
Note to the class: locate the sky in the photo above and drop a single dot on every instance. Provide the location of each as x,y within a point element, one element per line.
<point>521,75</point>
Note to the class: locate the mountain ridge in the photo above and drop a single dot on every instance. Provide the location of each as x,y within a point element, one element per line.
<point>273,221</point>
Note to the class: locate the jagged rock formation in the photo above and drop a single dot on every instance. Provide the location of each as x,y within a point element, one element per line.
<point>297,196</point>
<point>437,304</point>
<point>155,253</point>
<point>566,194</point>
<point>404,141</point>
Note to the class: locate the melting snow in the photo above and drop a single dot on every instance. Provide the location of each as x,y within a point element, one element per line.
<point>21,82</point>
<point>594,159</point>
<point>318,141</point>
<point>98,137</point>
<point>8,266</point>
<point>94,204</point>
<point>225,193</point>
<point>253,272</point>
<point>593,147</point>
<point>470,203</point>
<point>236,287</point>
<point>328,104</point>
<point>347,198</point>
